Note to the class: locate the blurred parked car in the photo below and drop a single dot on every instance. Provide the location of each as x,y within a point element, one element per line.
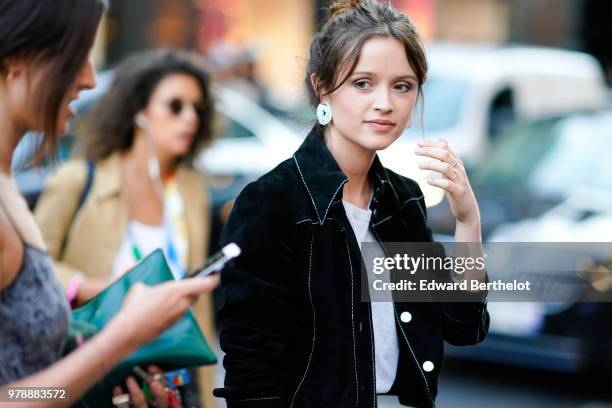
<point>552,183</point>
<point>537,166</point>
<point>252,141</point>
<point>474,92</point>
<point>574,333</point>
<point>584,216</point>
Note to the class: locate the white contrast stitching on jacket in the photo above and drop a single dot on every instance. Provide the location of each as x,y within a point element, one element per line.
<point>373,358</point>
<point>383,220</point>
<point>308,219</point>
<point>330,203</point>
<point>314,324</point>
<point>307,189</point>
<point>412,199</point>
<point>417,199</point>
<point>353,322</point>
<point>257,399</point>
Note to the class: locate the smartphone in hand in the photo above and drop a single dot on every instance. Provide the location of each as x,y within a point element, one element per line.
<point>216,262</point>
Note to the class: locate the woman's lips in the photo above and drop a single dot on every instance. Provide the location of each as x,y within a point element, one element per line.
<point>381,125</point>
<point>71,107</point>
<point>186,136</point>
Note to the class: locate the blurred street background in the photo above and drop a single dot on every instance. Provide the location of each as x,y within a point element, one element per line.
<point>520,88</point>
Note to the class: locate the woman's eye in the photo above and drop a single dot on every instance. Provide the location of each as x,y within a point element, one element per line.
<point>361,84</point>
<point>403,87</point>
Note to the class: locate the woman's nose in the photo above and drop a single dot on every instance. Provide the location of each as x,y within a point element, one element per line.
<point>190,113</point>
<point>87,76</point>
<point>382,101</point>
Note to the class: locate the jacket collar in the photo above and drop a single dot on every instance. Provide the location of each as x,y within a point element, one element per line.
<point>323,178</point>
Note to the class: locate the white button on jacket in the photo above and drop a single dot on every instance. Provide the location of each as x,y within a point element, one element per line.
<point>405,317</point>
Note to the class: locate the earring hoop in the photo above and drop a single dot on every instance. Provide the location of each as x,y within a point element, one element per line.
<point>324,113</point>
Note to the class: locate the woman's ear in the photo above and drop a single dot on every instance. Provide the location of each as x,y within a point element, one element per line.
<point>314,81</point>
<point>141,120</point>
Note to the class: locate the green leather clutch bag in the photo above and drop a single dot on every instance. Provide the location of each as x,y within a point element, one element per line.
<point>182,345</point>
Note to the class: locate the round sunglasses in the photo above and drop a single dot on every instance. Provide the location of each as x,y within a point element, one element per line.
<point>176,106</point>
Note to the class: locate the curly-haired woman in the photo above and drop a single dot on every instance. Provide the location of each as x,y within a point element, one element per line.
<point>141,192</point>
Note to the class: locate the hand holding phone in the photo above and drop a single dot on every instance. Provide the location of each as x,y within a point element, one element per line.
<point>216,262</point>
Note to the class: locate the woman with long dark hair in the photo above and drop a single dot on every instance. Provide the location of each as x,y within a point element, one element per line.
<point>293,328</point>
<point>44,63</point>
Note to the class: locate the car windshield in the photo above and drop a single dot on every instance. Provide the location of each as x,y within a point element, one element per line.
<point>553,156</point>
<point>444,98</point>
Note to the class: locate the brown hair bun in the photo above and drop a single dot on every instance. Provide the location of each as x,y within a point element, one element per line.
<point>343,6</point>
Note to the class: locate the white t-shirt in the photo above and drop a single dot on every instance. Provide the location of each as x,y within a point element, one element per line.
<point>147,237</point>
<point>386,344</point>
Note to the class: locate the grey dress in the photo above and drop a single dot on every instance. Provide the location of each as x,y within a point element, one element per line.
<point>34,315</point>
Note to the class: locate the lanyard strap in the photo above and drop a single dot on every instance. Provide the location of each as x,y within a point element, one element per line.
<point>174,225</point>
<point>170,250</point>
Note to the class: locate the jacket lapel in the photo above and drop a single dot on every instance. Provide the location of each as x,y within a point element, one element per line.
<point>113,209</point>
<point>195,204</point>
<point>320,174</point>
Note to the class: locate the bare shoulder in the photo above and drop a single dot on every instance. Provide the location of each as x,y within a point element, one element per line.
<point>17,215</point>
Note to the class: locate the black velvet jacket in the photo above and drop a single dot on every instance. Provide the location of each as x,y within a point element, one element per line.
<point>293,326</point>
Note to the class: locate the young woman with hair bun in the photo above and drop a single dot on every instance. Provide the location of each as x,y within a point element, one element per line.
<point>293,327</point>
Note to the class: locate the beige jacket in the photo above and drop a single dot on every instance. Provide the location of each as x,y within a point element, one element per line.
<point>97,230</point>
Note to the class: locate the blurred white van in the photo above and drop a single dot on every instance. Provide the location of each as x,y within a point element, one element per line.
<point>474,91</point>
